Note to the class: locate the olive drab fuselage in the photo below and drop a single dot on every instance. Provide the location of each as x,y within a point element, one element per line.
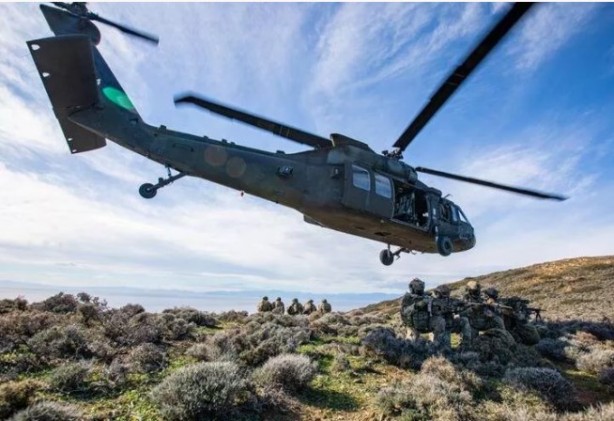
<point>345,187</point>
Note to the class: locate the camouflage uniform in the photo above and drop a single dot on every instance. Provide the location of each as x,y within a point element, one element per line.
<point>482,315</point>
<point>265,305</point>
<point>454,322</point>
<point>517,320</point>
<point>278,306</point>
<point>325,307</point>
<point>421,313</point>
<point>309,307</point>
<point>295,308</point>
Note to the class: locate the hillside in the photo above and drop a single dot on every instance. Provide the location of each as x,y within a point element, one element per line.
<point>580,288</point>
<point>74,358</point>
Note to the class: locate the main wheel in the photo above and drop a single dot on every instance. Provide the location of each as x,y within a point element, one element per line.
<point>386,257</point>
<point>147,191</point>
<point>444,246</point>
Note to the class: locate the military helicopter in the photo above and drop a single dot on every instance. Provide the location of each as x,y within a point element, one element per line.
<point>339,183</point>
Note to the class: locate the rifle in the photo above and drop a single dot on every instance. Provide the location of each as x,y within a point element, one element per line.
<point>537,312</point>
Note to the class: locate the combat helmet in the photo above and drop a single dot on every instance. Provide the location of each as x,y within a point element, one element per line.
<point>278,299</point>
<point>443,290</point>
<point>295,300</point>
<point>473,286</point>
<point>265,298</point>
<point>492,292</point>
<point>416,286</point>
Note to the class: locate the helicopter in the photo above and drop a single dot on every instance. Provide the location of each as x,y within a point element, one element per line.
<point>339,183</point>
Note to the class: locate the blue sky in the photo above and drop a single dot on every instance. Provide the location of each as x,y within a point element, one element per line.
<point>538,113</point>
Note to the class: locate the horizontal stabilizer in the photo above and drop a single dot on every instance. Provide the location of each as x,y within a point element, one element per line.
<point>66,67</point>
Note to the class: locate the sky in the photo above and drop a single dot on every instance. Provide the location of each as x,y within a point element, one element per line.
<point>538,113</point>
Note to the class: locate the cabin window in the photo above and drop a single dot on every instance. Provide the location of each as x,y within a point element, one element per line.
<point>382,186</point>
<point>454,214</point>
<point>462,215</point>
<point>360,178</point>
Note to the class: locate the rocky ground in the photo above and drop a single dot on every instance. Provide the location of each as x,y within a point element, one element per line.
<point>73,358</point>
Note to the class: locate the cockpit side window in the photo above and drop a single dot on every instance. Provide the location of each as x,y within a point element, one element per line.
<point>360,178</point>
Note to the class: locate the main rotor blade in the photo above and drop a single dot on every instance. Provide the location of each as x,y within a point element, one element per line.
<point>125,29</point>
<point>461,73</point>
<point>519,190</point>
<point>278,129</point>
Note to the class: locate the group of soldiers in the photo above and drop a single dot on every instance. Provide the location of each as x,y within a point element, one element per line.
<point>478,311</point>
<point>295,308</point>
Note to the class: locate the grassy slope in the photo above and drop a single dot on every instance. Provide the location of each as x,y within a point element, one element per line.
<point>580,288</point>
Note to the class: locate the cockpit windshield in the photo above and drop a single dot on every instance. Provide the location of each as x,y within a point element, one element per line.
<point>463,218</point>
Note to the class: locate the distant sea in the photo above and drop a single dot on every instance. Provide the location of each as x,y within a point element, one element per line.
<point>155,300</point>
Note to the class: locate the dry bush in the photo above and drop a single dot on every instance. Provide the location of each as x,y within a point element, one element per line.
<point>548,383</point>
<point>50,411</point>
<point>16,328</point>
<point>191,315</point>
<point>70,378</point>
<point>596,360</point>
<point>174,328</point>
<point>384,343</point>
<point>341,363</point>
<point>232,316</point>
<point>70,341</point>
<point>291,372</point>
<point>263,336</point>
<point>440,391</point>
<point>606,376</point>
<point>202,352</point>
<point>147,358</point>
<point>7,305</point>
<point>201,391</point>
<point>59,303</point>
<point>16,395</point>
<point>495,345</point>
<point>553,349</point>
<point>602,412</point>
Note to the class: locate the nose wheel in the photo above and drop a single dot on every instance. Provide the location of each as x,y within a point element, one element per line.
<point>149,191</point>
<point>387,256</point>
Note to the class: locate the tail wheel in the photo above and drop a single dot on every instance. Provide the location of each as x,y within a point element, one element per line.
<point>148,191</point>
<point>386,257</point>
<point>445,246</point>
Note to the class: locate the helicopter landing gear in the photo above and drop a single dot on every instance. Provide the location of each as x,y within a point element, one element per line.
<point>387,256</point>
<point>445,246</point>
<point>148,190</point>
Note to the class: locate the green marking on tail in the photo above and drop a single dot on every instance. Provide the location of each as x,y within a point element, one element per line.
<point>118,97</point>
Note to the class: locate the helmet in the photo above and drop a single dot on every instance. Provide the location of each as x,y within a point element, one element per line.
<point>265,298</point>
<point>443,290</point>
<point>278,299</point>
<point>295,300</point>
<point>416,285</point>
<point>310,301</point>
<point>472,286</point>
<point>324,300</point>
<point>492,292</point>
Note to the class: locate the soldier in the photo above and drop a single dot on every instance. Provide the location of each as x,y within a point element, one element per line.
<point>278,306</point>
<point>417,314</point>
<point>482,314</point>
<point>516,316</point>
<point>265,305</point>
<point>295,308</point>
<point>324,307</point>
<point>454,323</point>
<point>309,307</point>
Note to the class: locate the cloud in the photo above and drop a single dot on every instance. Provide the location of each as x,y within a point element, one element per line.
<point>548,29</point>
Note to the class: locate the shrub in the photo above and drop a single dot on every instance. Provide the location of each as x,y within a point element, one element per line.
<point>174,328</point>
<point>548,383</point>
<point>59,303</point>
<point>49,411</point>
<point>16,328</point>
<point>495,345</point>
<point>61,342</point>
<point>69,378</point>
<point>291,372</point>
<point>606,376</point>
<point>341,363</point>
<point>232,316</point>
<point>16,395</point>
<point>201,391</point>
<point>131,310</point>
<point>147,358</point>
<point>552,348</point>
<point>596,360</point>
<point>191,315</point>
<point>201,352</point>
<point>384,343</point>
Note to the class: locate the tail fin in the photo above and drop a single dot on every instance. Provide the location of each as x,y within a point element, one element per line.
<point>75,75</point>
